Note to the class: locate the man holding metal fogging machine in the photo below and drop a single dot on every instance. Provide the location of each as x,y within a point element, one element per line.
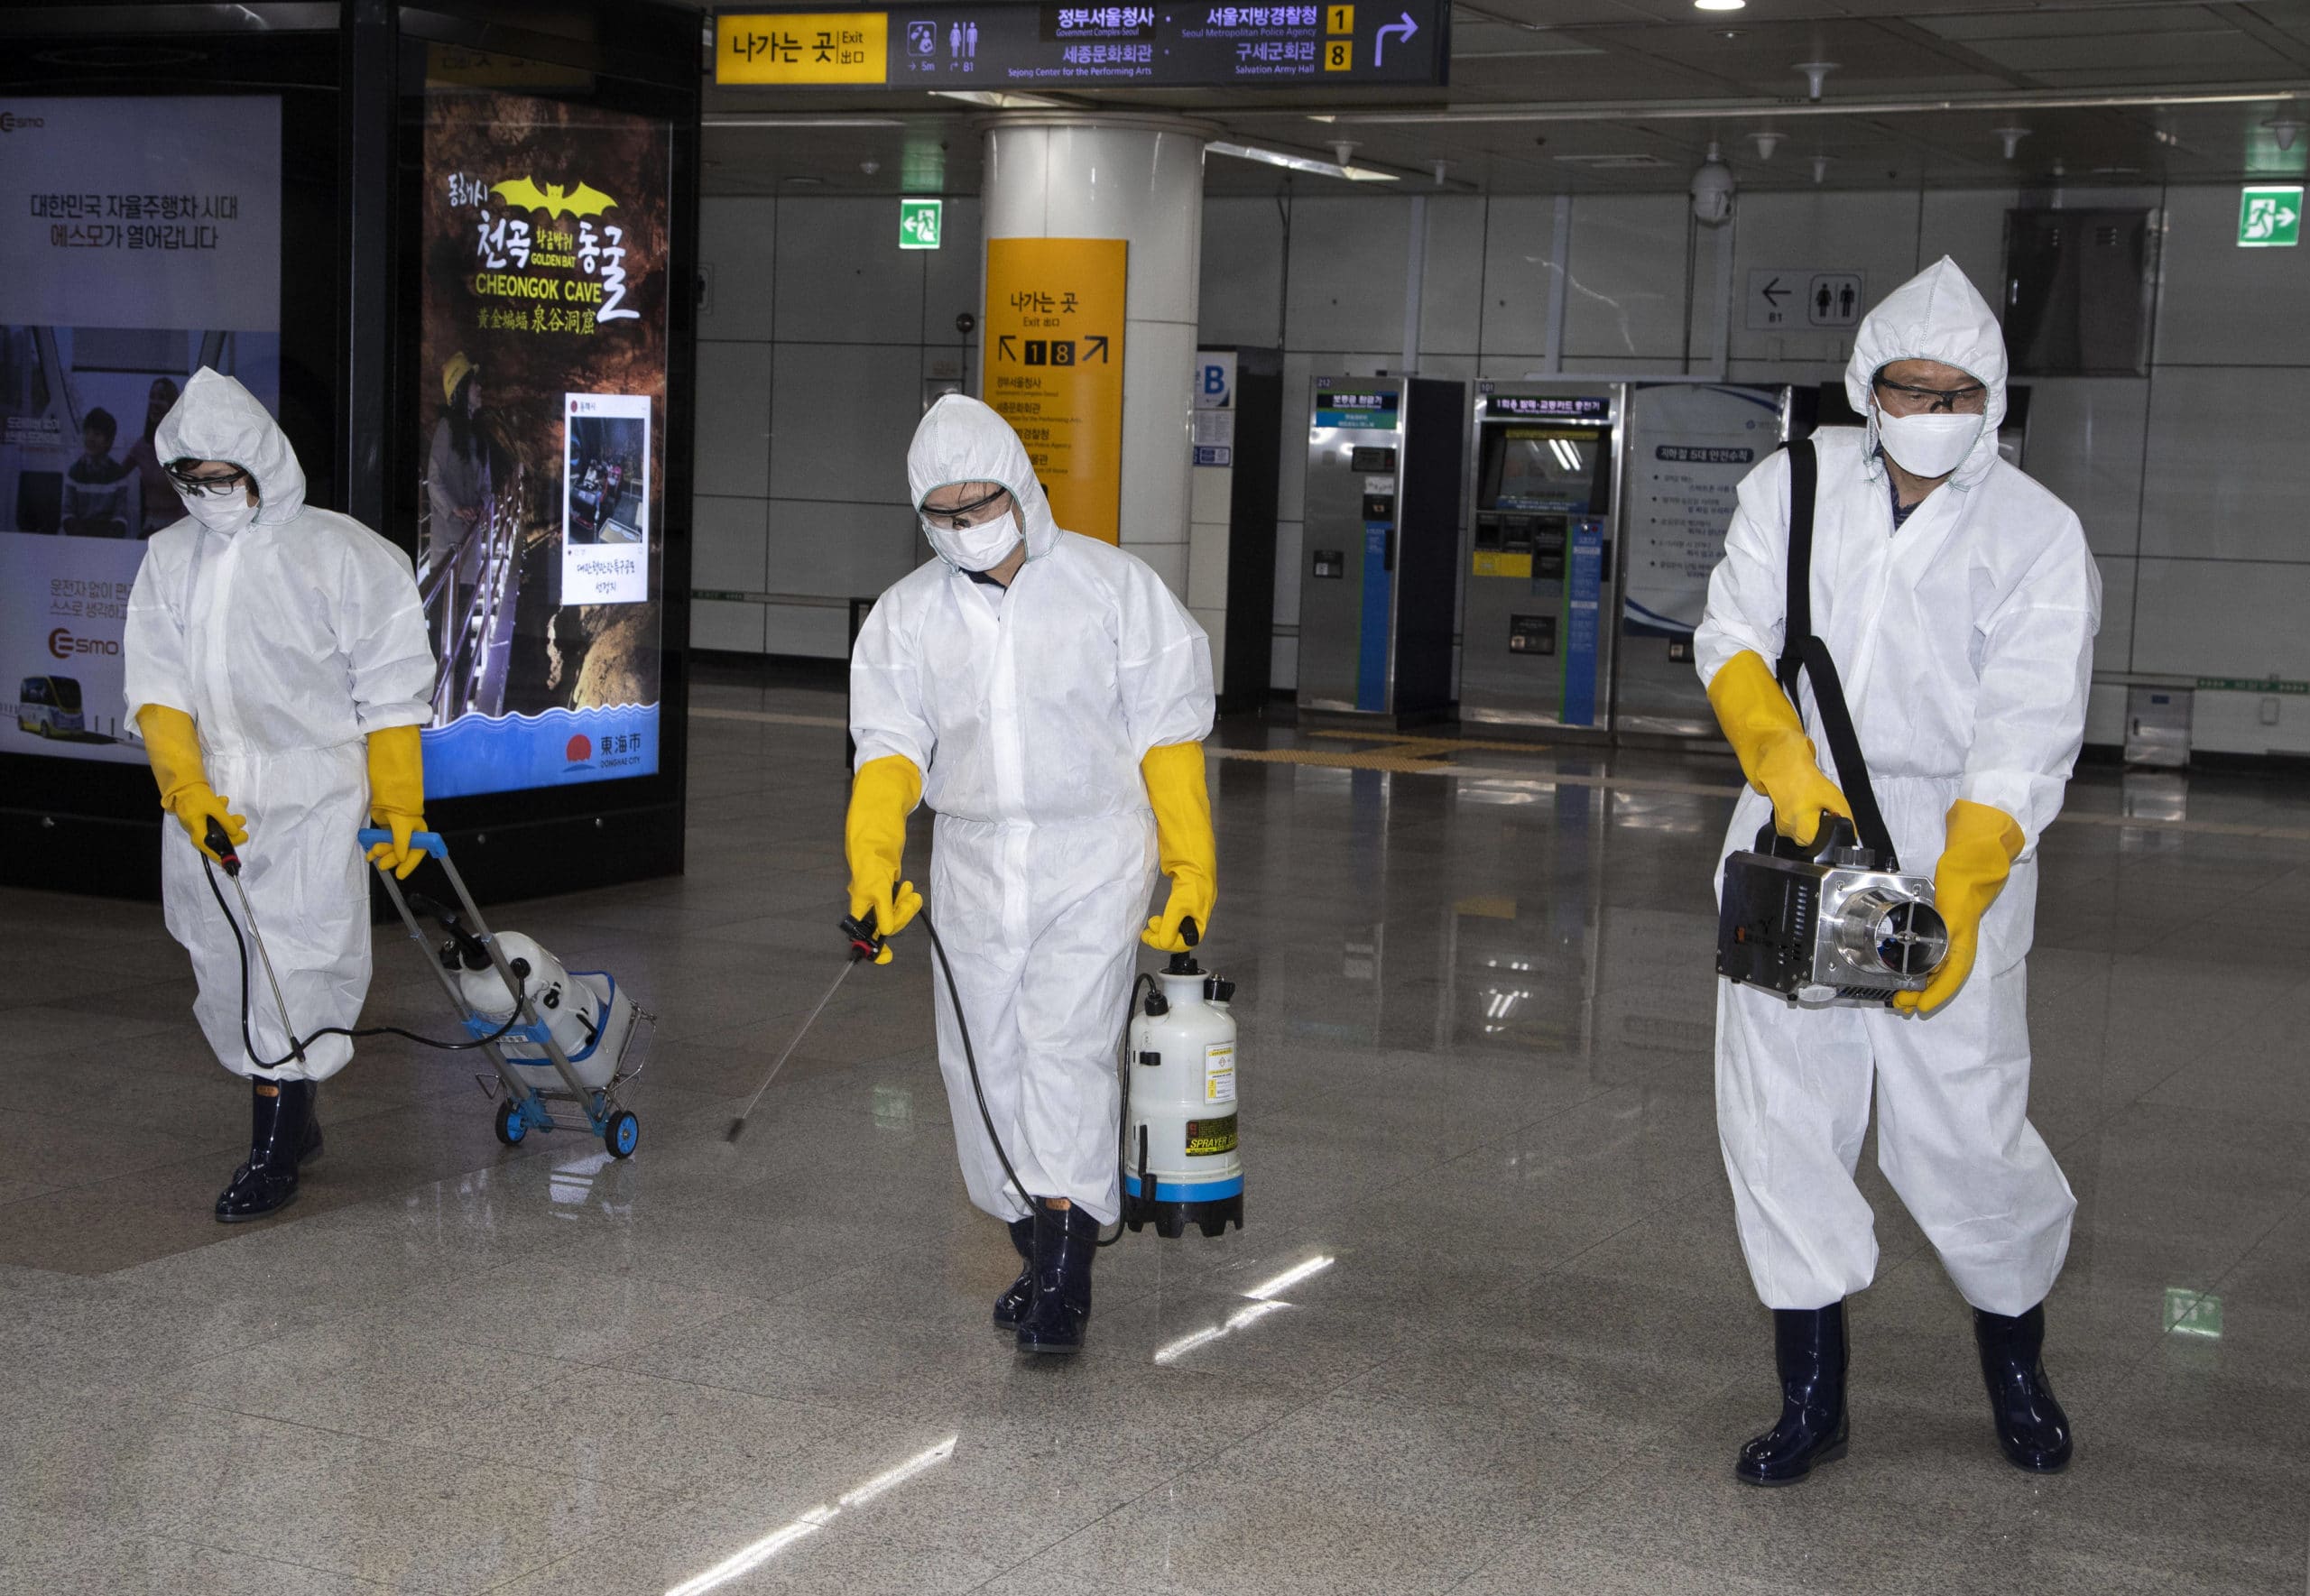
<point>1959,602</point>
<point>277,652</point>
<point>1049,696</point>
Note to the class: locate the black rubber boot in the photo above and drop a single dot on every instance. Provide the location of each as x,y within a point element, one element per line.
<point>1810,1347</point>
<point>1065,1241</point>
<point>309,1151</point>
<point>1011,1305</point>
<point>280,1114</point>
<point>2031,1428</point>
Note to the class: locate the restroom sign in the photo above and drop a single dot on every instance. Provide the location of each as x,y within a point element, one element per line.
<point>2269,217</point>
<point>1053,368</point>
<point>1804,298</point>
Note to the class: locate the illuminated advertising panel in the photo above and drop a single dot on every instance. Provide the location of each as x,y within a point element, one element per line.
<point>142,241</point>
<point>542,376</point>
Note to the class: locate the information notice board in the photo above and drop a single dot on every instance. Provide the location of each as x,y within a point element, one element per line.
<point>1053,368</point>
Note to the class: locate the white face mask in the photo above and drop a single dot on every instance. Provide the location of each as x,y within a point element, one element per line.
<point>1930,445</point>
<point>227,515</point>
<point>973,549</point>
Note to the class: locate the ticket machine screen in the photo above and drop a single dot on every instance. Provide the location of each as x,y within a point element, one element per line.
<point>1544,469</point>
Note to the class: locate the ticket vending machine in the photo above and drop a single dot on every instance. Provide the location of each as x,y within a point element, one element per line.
<point>1535,641</point>
<point>1379,545</point>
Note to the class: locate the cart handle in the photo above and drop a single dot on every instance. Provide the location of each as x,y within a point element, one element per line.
<point>428,841</point>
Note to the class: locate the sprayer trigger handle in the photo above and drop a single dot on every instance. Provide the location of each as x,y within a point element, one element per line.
<point>1190,933</point>
<point>220,843</point>
<point>864,941</point>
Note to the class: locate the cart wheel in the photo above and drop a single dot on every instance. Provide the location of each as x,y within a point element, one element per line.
<point>623,1134</point>
<point>511,1126</point>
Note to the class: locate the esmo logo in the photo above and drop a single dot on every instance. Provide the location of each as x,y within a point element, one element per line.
<point>64,645</point>
<point>10,122</point>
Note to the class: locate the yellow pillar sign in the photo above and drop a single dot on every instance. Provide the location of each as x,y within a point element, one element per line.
<point>1053,368</point>
<point>804,48</point>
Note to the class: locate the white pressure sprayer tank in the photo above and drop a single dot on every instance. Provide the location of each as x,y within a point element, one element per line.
<point>571,1010</point>
<point>1181,1162</point>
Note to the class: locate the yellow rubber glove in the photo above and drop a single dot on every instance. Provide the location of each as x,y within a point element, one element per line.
<point>1183,841</point>
<point>1983,842</point>
<point>397,796</point>
<point>1776,755</point>
<point>173,746</point>
<point>883,794</point>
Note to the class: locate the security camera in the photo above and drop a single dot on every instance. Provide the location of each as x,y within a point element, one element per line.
<point>1712,189</point>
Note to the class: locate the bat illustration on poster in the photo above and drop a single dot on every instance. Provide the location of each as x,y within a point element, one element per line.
<point>554,199</point>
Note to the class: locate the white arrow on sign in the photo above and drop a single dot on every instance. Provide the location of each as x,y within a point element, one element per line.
<point>1403,29</point>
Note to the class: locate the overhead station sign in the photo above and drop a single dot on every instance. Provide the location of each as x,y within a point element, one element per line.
<point>994,47</point>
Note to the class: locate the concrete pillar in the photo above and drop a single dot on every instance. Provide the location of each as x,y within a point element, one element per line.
<point>1139,179</point>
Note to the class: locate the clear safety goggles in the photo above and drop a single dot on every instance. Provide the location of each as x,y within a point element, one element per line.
<point>1910,399</point>
<point>219,487</point>
<point>962,517</point>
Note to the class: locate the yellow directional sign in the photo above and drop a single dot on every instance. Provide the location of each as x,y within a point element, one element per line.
<point>1053,367</point>
<point>810,48</point>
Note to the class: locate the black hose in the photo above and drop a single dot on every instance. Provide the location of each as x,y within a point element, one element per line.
<point>979,1091</point>
<point>296,1046</point>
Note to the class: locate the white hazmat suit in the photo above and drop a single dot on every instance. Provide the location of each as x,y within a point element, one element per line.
<point>1964,640</point>
<point>1028,709</point>
<point>287,640</point>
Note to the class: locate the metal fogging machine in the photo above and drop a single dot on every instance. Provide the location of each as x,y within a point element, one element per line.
<point>1837,922</point>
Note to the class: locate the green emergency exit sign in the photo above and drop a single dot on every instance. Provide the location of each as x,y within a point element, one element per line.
<point>918,223</point>
<point>2270,218</point>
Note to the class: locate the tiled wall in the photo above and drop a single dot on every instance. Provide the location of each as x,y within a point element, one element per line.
<point>812,360</point>
<point>2191,482</point>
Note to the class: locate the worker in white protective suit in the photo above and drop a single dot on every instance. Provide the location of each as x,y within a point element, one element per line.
<point>1049,697</point>
<point>277,666</point>
<point>1959,602</point>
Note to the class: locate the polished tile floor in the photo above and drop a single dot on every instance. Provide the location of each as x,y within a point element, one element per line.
<point>1513,1349</point>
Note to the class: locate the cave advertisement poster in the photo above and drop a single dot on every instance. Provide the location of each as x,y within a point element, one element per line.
<point>142,241</point>
<point>1054,368</point>
<point>542,379</point>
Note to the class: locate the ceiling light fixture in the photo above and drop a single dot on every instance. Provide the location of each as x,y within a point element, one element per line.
<point>2012,137</point>
<point>1717,110</point>
<point>1307,164</point>
<point>2286,129</point>
<point>1719,4</point>
<point>1820,169</point>
<point>1766,142</point>
<point>1001,100</point>
<point>801,121</point>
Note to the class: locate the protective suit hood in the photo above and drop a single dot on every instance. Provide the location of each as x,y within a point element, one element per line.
<point>1936,315</point>
<point>963,440</point>
<point>217,418</point>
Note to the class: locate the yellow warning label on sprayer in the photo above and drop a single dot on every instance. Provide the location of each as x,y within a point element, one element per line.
<point>1219,1073</point>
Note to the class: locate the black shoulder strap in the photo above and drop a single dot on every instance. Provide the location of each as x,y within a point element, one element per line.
<point>1802,651</point>
<point>1803,488</point>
